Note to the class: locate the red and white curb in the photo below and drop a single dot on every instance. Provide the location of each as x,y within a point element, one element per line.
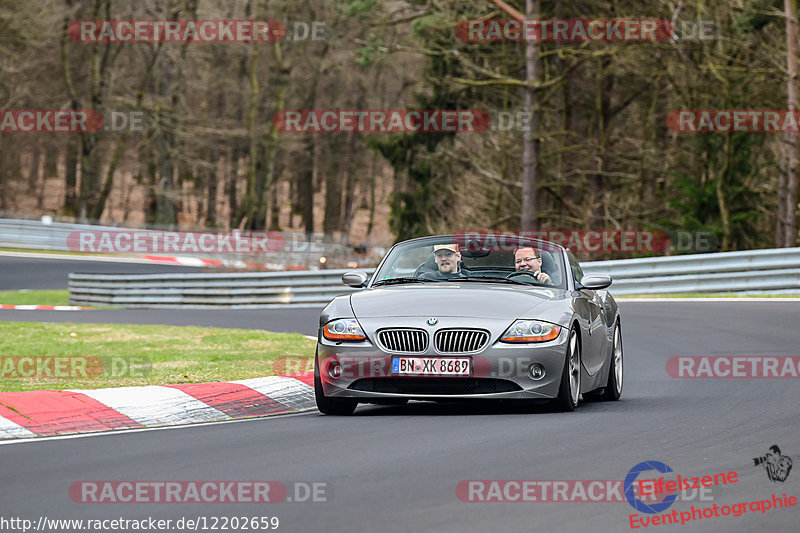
<point>199,262</point>
<point>50,413</point>
<point>184,261</point>
<point>159,259</point>
<point>44,307</point>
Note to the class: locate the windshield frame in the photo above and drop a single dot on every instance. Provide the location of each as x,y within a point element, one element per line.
<point>469,241</point>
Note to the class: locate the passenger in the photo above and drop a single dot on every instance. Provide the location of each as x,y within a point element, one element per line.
<point>448,261</point>
<point>530,260</point>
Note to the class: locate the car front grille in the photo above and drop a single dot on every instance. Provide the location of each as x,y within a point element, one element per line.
<point>403,340</point>
<point>460,340</point>
<point>434,386</point>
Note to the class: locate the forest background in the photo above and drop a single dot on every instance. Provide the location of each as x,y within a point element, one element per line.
<point>599,153</point>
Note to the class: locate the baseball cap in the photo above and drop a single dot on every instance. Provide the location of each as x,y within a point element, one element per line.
<point>451,247</point>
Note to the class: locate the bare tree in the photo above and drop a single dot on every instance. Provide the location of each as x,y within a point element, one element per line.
<point>791,139</point>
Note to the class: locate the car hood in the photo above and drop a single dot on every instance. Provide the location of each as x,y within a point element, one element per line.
<point>454,299</point>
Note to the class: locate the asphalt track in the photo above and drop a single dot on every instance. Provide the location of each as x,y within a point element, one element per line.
<point>396,468</point>
<point>52,274</point>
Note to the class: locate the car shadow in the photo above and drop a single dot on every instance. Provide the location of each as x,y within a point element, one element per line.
<point>451,408</point>
<point>477,407</point>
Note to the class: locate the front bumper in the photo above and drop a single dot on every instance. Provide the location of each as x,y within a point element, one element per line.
<point>499,371</point>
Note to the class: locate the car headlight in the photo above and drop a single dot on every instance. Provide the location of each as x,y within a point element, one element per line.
<point>344,329</point>
<point>531,331</point>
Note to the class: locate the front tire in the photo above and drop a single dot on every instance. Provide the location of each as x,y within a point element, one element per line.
<point>614,386</point>
<point>570,389</point>
<point>331,406</point>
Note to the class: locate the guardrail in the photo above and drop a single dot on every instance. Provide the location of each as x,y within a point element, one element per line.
<point>39,235</point>
<point>297,249</point>
<point>236,290</point>
<point>769,271</point>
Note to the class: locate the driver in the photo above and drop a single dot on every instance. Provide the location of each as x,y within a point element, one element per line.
<point>530,260</point>
<point>448,259</point>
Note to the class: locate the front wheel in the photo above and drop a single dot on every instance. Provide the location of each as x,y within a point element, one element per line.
<point>614,386</point>
<point>331,406</point>
<point>570,389</point>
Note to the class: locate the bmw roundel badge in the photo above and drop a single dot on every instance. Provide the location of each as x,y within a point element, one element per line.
<point>433,321</point>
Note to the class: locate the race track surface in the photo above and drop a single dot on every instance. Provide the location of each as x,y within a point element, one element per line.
<point>52,274</point>
<point>394,469</point>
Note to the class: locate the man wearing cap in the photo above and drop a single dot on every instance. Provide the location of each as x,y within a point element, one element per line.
<point>448,259</point>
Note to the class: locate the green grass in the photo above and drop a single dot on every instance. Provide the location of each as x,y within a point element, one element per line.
<point>25,297</point>
<point>48,252</point>
<point>91,356</point>
<point>34,297</point>
<point>707,295</point>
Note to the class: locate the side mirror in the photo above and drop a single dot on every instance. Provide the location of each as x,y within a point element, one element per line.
<point>355,278</point>
<point>594,282</point>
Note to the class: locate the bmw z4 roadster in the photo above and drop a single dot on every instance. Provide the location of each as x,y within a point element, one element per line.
<point>458,317</point>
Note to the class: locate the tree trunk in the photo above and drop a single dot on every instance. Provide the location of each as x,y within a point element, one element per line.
<point>165,188</point>
<point>792,144</point>
<point>100,205</point>
<point>333,193</point>
<point>270,192</point>
<point>235,164</point>
<point>373,181</point>
<point>306,184</point>
<point>780,219</point>
<point>34,175</point>
<point>211,177</point>
<point>99,65</point>
<point>71,176</point>
<point>249,206</point>
<point>274,205</point>
<point>306,179</point>
<point>595,216</point>
<point>722,201</point>
<point>529,148</point>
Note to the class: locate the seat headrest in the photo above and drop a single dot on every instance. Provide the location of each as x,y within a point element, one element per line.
<point>548,264</point>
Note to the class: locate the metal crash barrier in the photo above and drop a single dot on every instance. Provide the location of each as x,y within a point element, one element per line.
<point>769,271</point>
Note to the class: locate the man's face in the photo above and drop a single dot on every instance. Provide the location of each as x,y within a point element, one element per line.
<point>525,259</point>
<point>447,260</point>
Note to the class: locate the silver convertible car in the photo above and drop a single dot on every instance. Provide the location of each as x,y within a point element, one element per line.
<point>470,316</point>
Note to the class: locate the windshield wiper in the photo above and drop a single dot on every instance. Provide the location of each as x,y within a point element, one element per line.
<point>490,279</point>
<point>397,281</point>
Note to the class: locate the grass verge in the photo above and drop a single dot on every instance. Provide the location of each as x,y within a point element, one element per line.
<point>34,297</point>
<point>40,251</point>
<point>91,356</point>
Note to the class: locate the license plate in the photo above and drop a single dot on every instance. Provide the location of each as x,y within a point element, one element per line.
<point>432,366</point>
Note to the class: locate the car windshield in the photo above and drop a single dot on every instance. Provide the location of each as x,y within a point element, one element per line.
<point>488,259</point>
